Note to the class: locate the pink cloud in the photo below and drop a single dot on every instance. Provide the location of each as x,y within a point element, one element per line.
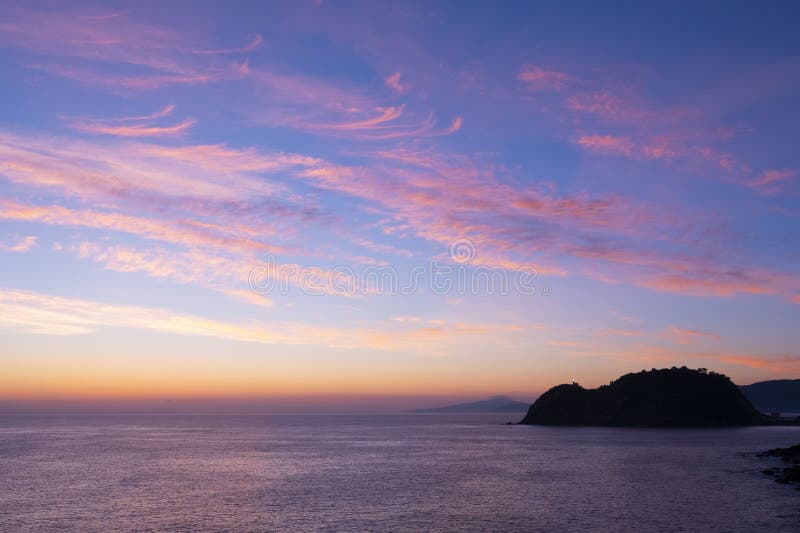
<point>686,336</point>
<point>646,149</point>
<point>606,105</point>
<point>25,245</point>
<point>687,274</point>
<point>385,114</point>
<point>383,126</point>
<point>251,46</point>
<point>607,143</point>
<point>44,314</point>
<point>100,40</point>
<point>539,79</point>
<point>394,83</point>
<point>136,130</point>
<point>143,82</point>
<point>429,196</point>
<point>250,297</point>
<point>772,181</point>
<point>185,232</point>
<point>308,93</point>
<point>441,201</point>
<point>117,38</point>
<point>105,170</point>
<point>720,283</point>
<point>676,136</point>
<point>454,127</point>
<point>166,111</point>
<point>620,333</point>
<point>773,364</point>
<point>436,197</point>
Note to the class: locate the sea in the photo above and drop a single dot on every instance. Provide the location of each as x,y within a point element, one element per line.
<point>403,472</point>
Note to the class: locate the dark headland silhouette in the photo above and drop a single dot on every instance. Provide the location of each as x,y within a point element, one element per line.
<point>673,397</point>
<point>775,396</point>
<point>495,404</point>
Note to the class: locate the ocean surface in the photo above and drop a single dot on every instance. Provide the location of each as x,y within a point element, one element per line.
<point>412,472</point>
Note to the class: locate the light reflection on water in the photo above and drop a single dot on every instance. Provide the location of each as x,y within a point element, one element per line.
<point>397,472</point>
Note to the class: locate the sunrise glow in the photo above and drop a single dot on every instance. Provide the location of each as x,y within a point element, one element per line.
<point>312,202</point>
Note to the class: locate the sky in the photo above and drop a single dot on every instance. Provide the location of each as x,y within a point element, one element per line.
<point>376,206</point>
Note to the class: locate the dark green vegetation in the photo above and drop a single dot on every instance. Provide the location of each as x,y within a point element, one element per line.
<point>788,474</point>
<point>673,397</point>
<point>495,404</point>
<point>776,396</point>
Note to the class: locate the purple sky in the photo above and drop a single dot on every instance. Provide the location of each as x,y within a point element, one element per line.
<point>321,199</point>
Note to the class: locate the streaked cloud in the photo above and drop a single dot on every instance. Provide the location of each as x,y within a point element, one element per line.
<point>384,115</point>
<point>621,333</point>
<point>41,314</point>
<point>536,78</point>
<point>184,232</point>
<point>138,126</point>
<point>24,245</point>
<point>394,83</point>
<point>686,336</point>
<point>773,181</point>
<point>255,44</point>
<point>607,143</point>
<point>771,364</point>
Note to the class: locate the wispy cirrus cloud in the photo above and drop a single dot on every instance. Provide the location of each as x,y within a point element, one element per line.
<point>394,83</point>
<point>442,202</point>
<point>614,119</point>
<point>687,336</point>
<point>150,82</point>
<point>536,78</point>
<point>383,126</point>
<point>776,364</point>
<point>614,108</point>
<point>645,353</point>
<point>681,272</point>
<point>42,314</point>
<point>98,41</point>
<point>122,53</point>
<point>185,232</point>
<point>427,195</point>
<point>620,333</point>
<point>223,271</point>
<point>24,245</point>
<point>723,282</point>
<point>607,143</point>
<point>137,126</point>
<point>134,130</point>
<point>384,115</point>
<point>95,170</point>
<point>253,45</point>
<point>773,181</point>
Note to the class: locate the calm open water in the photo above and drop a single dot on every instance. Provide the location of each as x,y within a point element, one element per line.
<point>396,472</point>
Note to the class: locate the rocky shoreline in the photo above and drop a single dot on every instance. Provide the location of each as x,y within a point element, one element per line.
<point>786,474</point>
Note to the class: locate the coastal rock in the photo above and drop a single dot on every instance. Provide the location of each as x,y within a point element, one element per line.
<point>791,455</point>
<point>673,397</point>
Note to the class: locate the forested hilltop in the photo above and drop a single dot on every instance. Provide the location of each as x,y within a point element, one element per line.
<point>668,397</point>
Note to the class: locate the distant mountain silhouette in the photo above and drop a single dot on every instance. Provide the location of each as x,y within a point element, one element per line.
<point>670,397</point>
<point>779,395</point>
<point>495,404</point>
